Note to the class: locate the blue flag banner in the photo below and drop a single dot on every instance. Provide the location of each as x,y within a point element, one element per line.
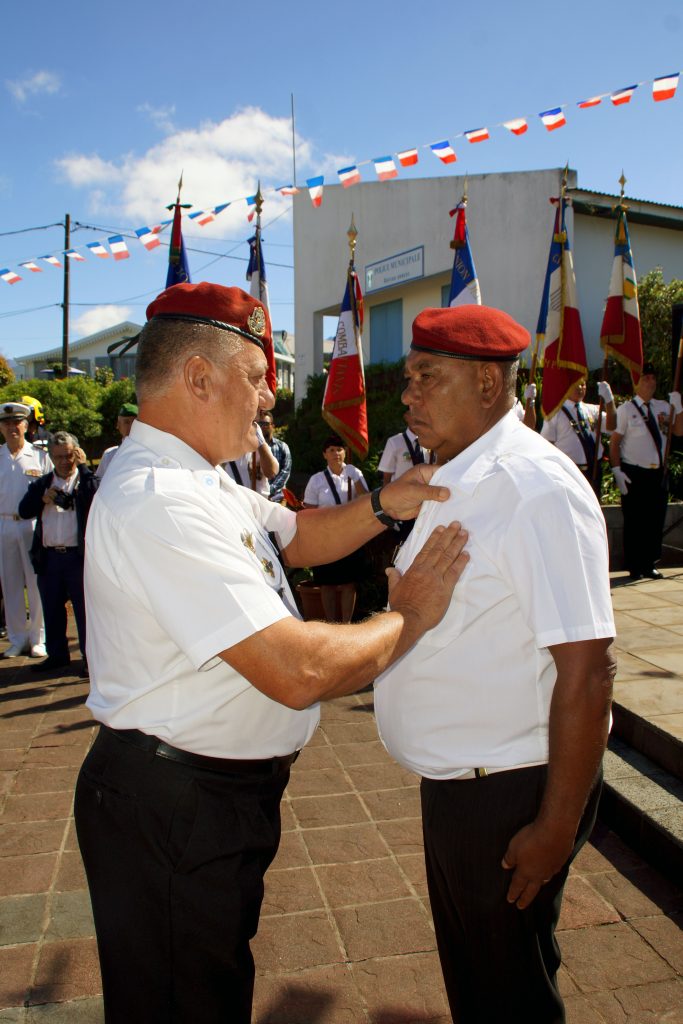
<point>178,268</point>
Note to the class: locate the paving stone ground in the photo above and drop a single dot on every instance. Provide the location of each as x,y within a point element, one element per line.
<point>345,934</point>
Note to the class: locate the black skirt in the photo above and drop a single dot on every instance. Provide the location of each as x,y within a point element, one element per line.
<point>345,570</point>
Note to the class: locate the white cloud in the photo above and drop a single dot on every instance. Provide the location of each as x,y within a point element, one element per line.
<point>219,161</point>
<point>40,82</point>
<point>96,319</point>
<point>161,117</point>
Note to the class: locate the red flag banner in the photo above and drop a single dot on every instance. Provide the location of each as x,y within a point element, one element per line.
<point>344,405</point>
<point>559,322</point>
<point>620,335</point>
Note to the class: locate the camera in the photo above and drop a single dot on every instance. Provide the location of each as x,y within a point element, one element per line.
<point>64,500</point>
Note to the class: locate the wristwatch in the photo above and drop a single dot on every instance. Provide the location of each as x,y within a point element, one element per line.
<point>377,509</point>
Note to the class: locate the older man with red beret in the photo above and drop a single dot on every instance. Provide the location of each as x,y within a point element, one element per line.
<point>189,613</point>
<point>503,707</point>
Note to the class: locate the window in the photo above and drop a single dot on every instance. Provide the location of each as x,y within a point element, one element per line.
<point>445,293</point>
<point>386,332</point>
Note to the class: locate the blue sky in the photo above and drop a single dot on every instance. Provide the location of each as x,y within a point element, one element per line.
<point>101,107</point>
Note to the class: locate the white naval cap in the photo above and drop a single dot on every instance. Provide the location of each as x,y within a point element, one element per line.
<point>14,411</point>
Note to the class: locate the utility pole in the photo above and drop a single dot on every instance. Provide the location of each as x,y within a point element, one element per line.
<point>65,303</point>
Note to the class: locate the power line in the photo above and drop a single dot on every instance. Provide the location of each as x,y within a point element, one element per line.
<point>24,231</point>
<point>33,309</point>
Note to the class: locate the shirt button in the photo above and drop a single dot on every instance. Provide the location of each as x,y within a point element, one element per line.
<point>209,481</point>
<point>165,462</point>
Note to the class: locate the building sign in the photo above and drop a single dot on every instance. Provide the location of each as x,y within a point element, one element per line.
<point>406,266</point>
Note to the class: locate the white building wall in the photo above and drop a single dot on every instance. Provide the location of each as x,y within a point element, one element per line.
<point>510,221</point>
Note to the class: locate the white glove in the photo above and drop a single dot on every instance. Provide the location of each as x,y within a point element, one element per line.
<point>530,393</point>
<point>675,401</point>
<point>259,435</point>
<point>605,392</point>
<point>622,481</point>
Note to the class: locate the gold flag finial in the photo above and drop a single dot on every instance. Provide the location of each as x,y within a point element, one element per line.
<point>464,191</point>
<point>622,181</point>
<point>352,235</point>
<point>259,200</point>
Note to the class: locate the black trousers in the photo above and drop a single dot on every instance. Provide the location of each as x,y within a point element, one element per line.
<point>61,580</point>
<point>175,858</point>
<point>644,511</point>
<point>499,963</point>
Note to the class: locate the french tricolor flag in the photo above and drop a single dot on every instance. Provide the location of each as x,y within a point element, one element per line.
<point>385,168</point>
<point>251,201</point>
<point>477,135</point>
<point>444,151</point>
<point>287,190</point>
<point>97,249</point>
<point>219,209</point>
<point>148,236</point>
<point>118,247</point>
<point>9,276</point>
<point>623,95</point>
<point>517,126</point>
<point>553,119</point>
<point>594,101</point>
<point>408,158</point>
<point>30,265</point>
<point>52,260</point>
<point>349,176</point>
<point>73,254</point>
<point>203,216</point>
<point>315,189</point>
<point>664,88</point>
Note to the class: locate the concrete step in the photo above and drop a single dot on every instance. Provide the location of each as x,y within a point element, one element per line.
<point>646,737</point>
<point>643,804</point>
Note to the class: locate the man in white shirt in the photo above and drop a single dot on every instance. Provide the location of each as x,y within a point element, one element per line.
<point>637,449</point>
<point>20,462</point>
<point>503,707</point>
<point>203,676</point>
<point>400,453</point>
<point>572,428</point>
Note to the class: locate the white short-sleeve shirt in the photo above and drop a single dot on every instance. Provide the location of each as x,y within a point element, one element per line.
<point>17,472</point>
<point>396,457</point>
<point>178,568</point>
<point>637,444</point>
<point>559,431</point>
<point>319,493</point>
<point>475,691</point>
<point>243,465</point>
<point>107,455</point>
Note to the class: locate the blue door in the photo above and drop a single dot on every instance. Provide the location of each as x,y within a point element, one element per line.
<point>386,332</point>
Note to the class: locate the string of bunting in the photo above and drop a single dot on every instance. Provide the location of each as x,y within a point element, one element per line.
<point>663,88</point>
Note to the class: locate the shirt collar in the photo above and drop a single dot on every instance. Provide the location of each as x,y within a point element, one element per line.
<point>168,446</point>
<point>470,467</point>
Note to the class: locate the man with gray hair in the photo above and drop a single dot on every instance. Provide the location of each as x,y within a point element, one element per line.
<point>60,502</point>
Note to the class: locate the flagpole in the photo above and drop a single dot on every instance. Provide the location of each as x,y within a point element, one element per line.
<point>535,356</point>
<point>605,363</point>
<point>65,302</point>
<point>259,208</point>
<point>293,145</point>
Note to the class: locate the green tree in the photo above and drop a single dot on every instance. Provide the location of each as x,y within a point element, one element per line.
<point>656,300</point>
<point>6,372</point>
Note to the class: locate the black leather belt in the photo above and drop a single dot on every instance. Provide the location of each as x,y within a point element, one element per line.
<point>261,766</point>
<point>59,548</point>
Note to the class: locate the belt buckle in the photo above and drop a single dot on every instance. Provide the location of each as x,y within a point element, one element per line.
<point>480,773</point>
<point>61,548</point>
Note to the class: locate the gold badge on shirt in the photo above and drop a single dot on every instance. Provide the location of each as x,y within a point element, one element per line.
<point>248,540</point>
<point>33,472</point>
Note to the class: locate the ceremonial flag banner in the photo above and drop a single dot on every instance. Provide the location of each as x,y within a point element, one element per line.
<point>559,322</point>
<point>9,276</point>
<point>385,168</point>
<point>349,175</point>
<point>344,405</point>
<point>52,260</point>
<point>477,135</point>
<point>97,249</point>
<point>148,237</point>
<point>444,151</point>
<point>553,119</point>
<point>664,88</point>
<point>30,265</point>
<point>464,282</point>
<point>620,335</point>
<point>315,189</point>
<point>517,126</point>
<point>73,254</point>
<point>595,101</point>
<point>178,268</point>
<point>408,158</point>
<point>118,247</point>
<point>258,287</point>
<point>623,96</point>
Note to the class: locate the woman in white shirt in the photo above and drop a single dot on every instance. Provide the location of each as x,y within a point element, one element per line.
<point>336,484</point>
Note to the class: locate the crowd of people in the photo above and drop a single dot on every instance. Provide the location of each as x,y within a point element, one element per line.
<point>492,662</point>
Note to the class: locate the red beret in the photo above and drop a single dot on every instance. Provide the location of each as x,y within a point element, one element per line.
<point>469,332</point>
<point>229,309</point>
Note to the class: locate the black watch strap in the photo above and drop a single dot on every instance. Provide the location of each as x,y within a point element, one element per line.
<point>377,509</point>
